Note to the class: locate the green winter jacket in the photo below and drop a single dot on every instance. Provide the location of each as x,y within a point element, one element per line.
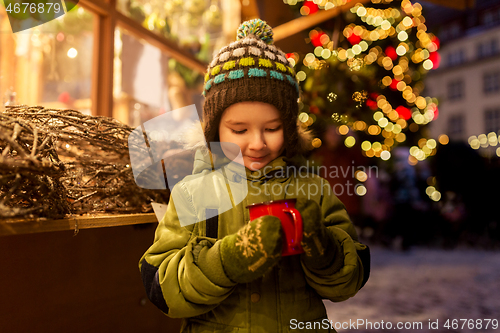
<point>284,299</point>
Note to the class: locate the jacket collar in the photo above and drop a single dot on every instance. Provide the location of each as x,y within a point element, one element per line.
<point>276,168</point>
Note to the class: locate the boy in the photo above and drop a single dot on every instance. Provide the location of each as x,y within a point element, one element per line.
<point>232,277</point>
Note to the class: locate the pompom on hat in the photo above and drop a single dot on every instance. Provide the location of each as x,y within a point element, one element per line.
<point>253,69</point>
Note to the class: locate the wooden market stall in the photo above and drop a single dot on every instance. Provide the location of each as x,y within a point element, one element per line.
<point>56,281</point>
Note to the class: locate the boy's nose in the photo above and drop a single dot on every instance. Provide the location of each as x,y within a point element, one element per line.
<point>258,142</point>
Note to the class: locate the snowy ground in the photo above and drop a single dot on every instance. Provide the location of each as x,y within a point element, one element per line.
<point>422,285</point>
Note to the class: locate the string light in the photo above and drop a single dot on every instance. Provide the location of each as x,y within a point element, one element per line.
<point>413,53</point>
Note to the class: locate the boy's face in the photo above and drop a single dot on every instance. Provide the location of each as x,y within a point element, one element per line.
<point>257,129</point>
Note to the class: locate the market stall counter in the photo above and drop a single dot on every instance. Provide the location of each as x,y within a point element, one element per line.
<point>73,225</point>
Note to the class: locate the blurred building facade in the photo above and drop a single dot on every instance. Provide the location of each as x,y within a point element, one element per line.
<point>467,82</point>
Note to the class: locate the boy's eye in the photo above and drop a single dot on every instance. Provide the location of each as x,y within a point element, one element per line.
<point>238,132</point>
<point>273,129</point>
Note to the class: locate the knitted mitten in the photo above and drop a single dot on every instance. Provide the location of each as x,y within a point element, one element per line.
<point>253,250</point>
<point>318,244</point>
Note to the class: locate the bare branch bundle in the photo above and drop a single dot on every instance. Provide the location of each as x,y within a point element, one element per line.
<point>55,162</point>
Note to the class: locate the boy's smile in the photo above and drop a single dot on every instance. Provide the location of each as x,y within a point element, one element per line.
<point>257,129</point>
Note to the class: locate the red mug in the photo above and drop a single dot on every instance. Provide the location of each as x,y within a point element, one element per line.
<point>291,221</point>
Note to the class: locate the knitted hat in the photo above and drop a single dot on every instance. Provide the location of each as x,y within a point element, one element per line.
<point>252,69</point>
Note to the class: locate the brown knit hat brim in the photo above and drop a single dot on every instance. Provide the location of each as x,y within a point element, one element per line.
<point>274,92</point>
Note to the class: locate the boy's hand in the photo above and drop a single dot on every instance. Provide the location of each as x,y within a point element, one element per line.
<point>253,250</point>
<point>318,244</point>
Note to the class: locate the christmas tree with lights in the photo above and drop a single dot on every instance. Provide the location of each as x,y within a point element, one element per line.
<point>366,76</point>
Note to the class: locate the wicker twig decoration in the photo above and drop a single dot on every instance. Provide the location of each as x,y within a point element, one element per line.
<point>58,162</point>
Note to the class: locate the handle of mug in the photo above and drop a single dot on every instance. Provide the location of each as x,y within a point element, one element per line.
<point>297,222</point>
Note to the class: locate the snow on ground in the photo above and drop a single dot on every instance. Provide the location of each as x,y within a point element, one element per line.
<point>422,285</point>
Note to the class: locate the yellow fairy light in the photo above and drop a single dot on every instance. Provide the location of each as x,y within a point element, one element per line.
<point>350,141</point>
<point>474,143</point>
<point>401,85</point>
<point>421,103</point>
<point>363,45</point>
<point>401,137</point>
<point>498,151</point>
<point>412,160</point>
<point>342,55</point>
<point>436,196</point>
<point>343,129</point>
<point>360,190</point>
<point>317,51</point>
<point>326,53</point>
<point>401,123</point>
<point>422,142</point>
<point>382,101</point>
<point>393,115</point>
<point>492,139</point>
<point>303,117</point>
<point>370,153</point>
<point>386,25</point>
<point>366,145</point>
<point>396,129</point>
<point>397,70</point>
<point>324,39</point>
<point>374,130</point>
<point>361,176</point>
<point>483,140</point>
<point>443,139</point>
<point>383,122</point>
<point>376,146</point>
<point>389,142</point>
<point>386,81</point>
<point>431,143</point>
<point>428,65</point>
<point>413,150</point>
<point>316,142</point>
<point>387,108</point>
<point>361,11</point>
<point>407,21</point>
<point>387,63</point>
<point>385,155</point>
<point>309,58</point>
<point>374,35</point>
<point>356,49</point>
<point>429,190</point>
<point>301,76</point>
<point>401,50</point>
<point>378,115</point>
<point>402,36</point>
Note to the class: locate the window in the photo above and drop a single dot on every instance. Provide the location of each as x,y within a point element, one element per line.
<point>491,83</point>
<point>491,16</point>
<point>456,90</point>
<point>492,120</point>
<point>456,58</point>
<point>451,31</point>
<point>76,60</point>
<point>488,48</point>
<point>50,64</point>
<point>456,126</point>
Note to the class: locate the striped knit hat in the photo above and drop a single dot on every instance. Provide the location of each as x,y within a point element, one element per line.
<point>252,69</point>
